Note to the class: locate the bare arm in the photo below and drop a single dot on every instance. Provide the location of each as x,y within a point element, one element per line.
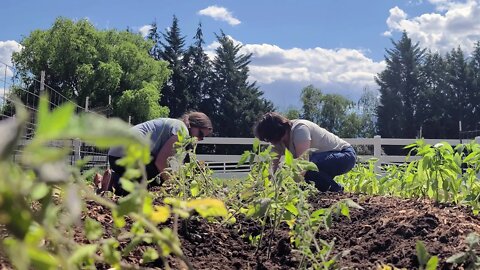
<point>301,148</point>
<point>165,152</point>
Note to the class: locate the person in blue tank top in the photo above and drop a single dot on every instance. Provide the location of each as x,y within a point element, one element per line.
<point>332,155</point>
<point>163,135</point>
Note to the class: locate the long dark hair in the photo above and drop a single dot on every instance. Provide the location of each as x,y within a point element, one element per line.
<point>196,119</point>
<point>271,127</point>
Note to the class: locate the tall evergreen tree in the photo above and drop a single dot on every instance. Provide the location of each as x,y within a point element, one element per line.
<point>154,36</point>
<point>400,84</point>
<point>198,71</point>
<point>459,106</point>
<point>174,93</point>
<point>241,102</point>
<point>474,67</point>
<point>432,114</point>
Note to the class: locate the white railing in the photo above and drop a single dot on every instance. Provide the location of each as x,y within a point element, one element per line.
<point>226,165</point>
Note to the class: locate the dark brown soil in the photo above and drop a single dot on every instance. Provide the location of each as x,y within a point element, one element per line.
<point>384,232</point>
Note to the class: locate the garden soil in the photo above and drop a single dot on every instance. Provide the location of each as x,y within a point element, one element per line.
<point>384,232</point>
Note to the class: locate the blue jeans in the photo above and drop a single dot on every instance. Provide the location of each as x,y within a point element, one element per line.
<point>331,164</point>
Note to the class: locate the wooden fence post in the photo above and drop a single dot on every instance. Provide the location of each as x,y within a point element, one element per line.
<point>42,81</point>
<point>377,151</point>
<point>77,144</point>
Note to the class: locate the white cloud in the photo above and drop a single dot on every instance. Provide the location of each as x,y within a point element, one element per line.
<point>6,50</point>
<point>145,29</point>
<point>282,73</point>
<point>455,24</point>
<point>220,14</point>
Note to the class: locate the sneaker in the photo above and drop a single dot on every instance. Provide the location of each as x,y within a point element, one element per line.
<point>106,185</point>
<point>97,181</point>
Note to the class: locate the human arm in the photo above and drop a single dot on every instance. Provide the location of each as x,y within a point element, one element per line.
<point>165,152</point>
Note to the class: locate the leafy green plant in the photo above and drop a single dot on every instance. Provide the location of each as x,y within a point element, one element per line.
<point>440,172</point>
<point>468,258</point>
<point>42,198</point>
<point>306,226</point>
<point>425,260</point>
<point>281,196</point>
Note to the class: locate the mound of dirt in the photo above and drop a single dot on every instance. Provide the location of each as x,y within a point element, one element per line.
<point>384,232</point>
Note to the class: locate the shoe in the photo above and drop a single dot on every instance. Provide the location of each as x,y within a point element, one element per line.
<point>97,181</point>
<point>107,176</point>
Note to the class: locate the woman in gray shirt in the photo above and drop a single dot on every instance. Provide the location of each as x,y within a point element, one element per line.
<point>163,135</point>
<point>332,155</point>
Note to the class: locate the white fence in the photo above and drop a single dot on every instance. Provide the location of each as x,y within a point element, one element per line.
<point>226,165</point>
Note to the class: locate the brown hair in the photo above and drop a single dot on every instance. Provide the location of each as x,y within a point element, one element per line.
<point>196,119</point>
<point>271,127</point>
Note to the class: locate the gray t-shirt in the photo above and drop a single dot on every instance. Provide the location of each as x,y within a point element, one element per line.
<point>320,139</point>
<point>160,130</point>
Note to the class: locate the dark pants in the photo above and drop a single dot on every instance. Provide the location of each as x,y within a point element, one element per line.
<point>331,164</point>
<point>118,171</point>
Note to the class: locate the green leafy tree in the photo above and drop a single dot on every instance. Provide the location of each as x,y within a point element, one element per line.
<point>367,107</point>
<point>352,126</point>
<point>144,102</point>
<point>81,61</point>
<point>311,98</point>
<point>400,84</point>
<point>174,92</point>
<point>292,113</point>
<point>240,101</point>
<point>333,112</point>
<point>199,76</point>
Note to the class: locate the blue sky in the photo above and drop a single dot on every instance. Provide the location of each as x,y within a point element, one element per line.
<point>335,45</point>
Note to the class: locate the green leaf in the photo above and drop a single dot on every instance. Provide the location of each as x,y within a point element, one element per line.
<point>345,210</point>
<point>256,144</point>
<point>288,158</point>
<point>39,191</point>
<point>129,204</point>
<point>118,220</point>
<point>243,158</point>
<point>328,220</point>
<point>82,253</point>
<point>51,126</point>
<point>149,255</point>
<point>147,206</point>
<point>290,207</point>
<point>350,203</point>
<point>307,165</point>
<point>457,258</point>
<point>127,184</point>
<point>432,263</point>
<point>42,260</point>
<point>93,229</point>
<point>422,253</point>
<point>194,188</point>
<point>208,207</point>
<point>35,235</point>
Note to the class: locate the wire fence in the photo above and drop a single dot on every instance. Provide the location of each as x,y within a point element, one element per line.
<point>12,85</point>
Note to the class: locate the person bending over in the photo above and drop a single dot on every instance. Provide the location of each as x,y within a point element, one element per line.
<point>163,135</point>
<point>332,155</point>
